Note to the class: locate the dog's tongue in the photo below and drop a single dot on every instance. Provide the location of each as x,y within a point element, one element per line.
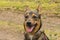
<point>29,29</point>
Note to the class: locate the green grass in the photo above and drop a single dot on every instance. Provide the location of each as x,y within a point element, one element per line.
<point>22,4</point>
<point>46,7</point>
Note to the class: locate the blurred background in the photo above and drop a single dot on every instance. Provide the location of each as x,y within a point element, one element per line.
<point>12,18</point>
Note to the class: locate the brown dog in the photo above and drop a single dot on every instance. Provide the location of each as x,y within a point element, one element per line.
<point>32,25</point>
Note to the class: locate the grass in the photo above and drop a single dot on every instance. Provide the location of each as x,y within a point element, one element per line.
<point>22,4</point>
<point>53,35</point>
<point>46,7</point>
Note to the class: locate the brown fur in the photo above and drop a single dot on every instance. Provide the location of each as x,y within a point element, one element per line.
<point>36,33</point>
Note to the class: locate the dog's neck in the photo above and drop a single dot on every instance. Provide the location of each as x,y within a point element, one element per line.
<point>33,37</point>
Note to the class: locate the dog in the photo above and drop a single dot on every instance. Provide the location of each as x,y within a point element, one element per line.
<point>32,25</point>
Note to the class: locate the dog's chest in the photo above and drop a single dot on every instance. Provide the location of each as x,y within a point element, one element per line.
<point>30,36</point>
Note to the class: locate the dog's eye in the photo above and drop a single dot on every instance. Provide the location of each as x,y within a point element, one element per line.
<point>26,16</point>
<point>34,17</point>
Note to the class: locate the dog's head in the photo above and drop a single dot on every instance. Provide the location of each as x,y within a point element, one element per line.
<point>32,21</point>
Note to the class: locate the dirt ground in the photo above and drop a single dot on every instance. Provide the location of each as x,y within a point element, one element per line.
<point>12,32</point>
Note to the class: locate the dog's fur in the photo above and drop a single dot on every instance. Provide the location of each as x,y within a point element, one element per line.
<point>32,25</point>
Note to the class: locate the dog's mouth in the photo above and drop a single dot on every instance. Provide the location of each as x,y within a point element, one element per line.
<point>31,27</point>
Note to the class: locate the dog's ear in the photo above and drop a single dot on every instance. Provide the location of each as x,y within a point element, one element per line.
<point>27,8</point>
<point>38,8</point>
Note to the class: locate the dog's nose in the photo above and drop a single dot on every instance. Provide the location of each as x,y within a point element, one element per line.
<point>28,23</point>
